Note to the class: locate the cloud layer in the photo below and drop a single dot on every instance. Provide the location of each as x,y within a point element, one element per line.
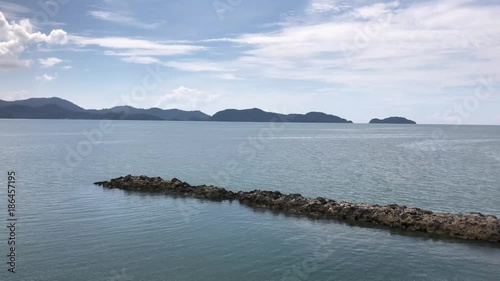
<point>15,37</point>
<point>383,43</point>
<point>123,19</point>
<point>135,50</point>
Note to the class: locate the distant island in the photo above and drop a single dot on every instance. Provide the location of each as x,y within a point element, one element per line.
<point>259,115</point>
<point>57,108</point>
<point>392,120</point>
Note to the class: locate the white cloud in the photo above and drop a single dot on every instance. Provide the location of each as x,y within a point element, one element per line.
<point>49,62</point>
<point>197,66</point>
<point>15,95</point>
<point>228,76</point>
<point>14,37</point>
<point>134,44</point>
<point>374,11</point>
<point>14,7</point>
<point>135,50</point>
<point>141,60</point>
<point>382,47</point>
<point>45,77</point>
<point>123,19</point>
<point>67,67</point>
<point>323,6</point>
<point>13,10</point>
<point>186,98</point>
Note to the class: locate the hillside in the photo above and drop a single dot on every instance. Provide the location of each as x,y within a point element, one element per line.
<point>36,102</point>
<point>259,115</point>
<point>52,111</point>
<point>161,114</point>
<point>57,108</point>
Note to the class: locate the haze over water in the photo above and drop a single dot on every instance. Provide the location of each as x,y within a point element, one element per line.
<point>70,229</point>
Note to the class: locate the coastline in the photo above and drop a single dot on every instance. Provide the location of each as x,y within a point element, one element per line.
<point>474,226</point>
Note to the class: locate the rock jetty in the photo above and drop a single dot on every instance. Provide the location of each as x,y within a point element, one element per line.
<point>473,226</point>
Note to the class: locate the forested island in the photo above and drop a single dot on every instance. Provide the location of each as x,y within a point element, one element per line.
<point>392,120</point>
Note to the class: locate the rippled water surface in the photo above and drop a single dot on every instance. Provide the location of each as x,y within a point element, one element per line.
<point>69,229</point>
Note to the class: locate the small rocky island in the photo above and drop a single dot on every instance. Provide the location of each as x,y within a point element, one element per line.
<point>392,120</point>
<point>474,226</point>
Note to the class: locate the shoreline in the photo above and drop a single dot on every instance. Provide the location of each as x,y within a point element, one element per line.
<point>474,226</point>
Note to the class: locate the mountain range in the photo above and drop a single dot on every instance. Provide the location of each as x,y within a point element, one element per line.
<point>57,108</point>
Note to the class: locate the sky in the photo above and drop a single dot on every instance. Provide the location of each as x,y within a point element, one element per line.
<point>435,62</point>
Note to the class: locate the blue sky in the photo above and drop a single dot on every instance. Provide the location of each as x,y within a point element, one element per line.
<point>431,61</point>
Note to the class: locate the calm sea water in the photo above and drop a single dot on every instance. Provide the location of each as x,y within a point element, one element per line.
<point>69,229</point>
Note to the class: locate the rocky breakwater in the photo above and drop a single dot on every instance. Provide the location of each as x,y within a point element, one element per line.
<point>473,226</point>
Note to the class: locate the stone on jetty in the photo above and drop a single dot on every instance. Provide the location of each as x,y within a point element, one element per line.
<point>474,226</point>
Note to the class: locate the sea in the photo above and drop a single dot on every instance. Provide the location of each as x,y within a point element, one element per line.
<point>66,228</point>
